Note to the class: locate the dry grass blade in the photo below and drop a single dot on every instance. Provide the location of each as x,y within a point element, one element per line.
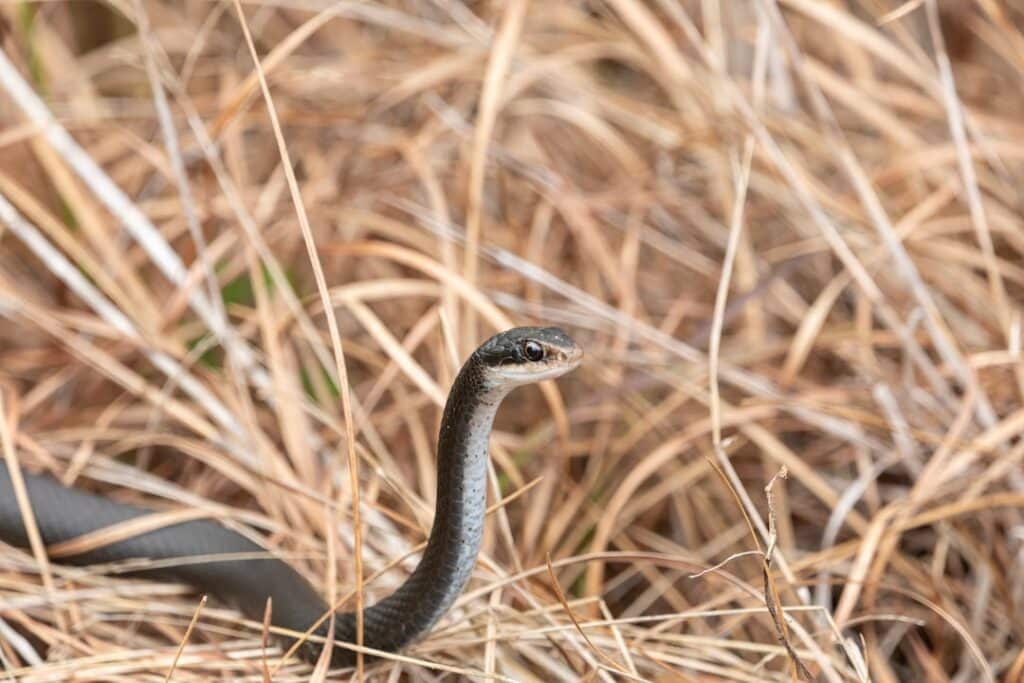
<point>771,593</point>
<point>615,666</point>
<point>8,427</point>
<point>184,640</point>
<point>339,356</point>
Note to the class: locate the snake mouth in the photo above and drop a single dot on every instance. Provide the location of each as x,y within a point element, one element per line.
<point>573,357</point>
<point>557,362</point>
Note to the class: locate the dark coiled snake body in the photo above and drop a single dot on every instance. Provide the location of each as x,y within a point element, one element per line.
<point>509,359</point>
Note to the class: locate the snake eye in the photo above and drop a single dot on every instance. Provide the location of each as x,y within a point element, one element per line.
<point>533,351</point>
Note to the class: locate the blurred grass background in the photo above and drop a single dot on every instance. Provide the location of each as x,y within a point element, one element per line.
<point>789,235</point>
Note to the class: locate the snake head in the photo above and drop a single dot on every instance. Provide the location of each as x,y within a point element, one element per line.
<point>523,355</point>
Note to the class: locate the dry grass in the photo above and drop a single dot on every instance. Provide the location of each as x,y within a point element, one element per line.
<point>790,237</point>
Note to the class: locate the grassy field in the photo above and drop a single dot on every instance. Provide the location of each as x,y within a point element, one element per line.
<point>245,246</point>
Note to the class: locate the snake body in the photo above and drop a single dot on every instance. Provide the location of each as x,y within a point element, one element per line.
<point>505,361</point>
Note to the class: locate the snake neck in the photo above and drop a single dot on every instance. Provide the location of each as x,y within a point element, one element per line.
<point>451,552</point>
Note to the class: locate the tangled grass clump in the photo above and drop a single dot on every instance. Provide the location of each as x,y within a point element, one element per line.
<point>245,245</point>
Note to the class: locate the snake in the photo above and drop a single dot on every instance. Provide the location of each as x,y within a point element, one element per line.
<point>248,576</point>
